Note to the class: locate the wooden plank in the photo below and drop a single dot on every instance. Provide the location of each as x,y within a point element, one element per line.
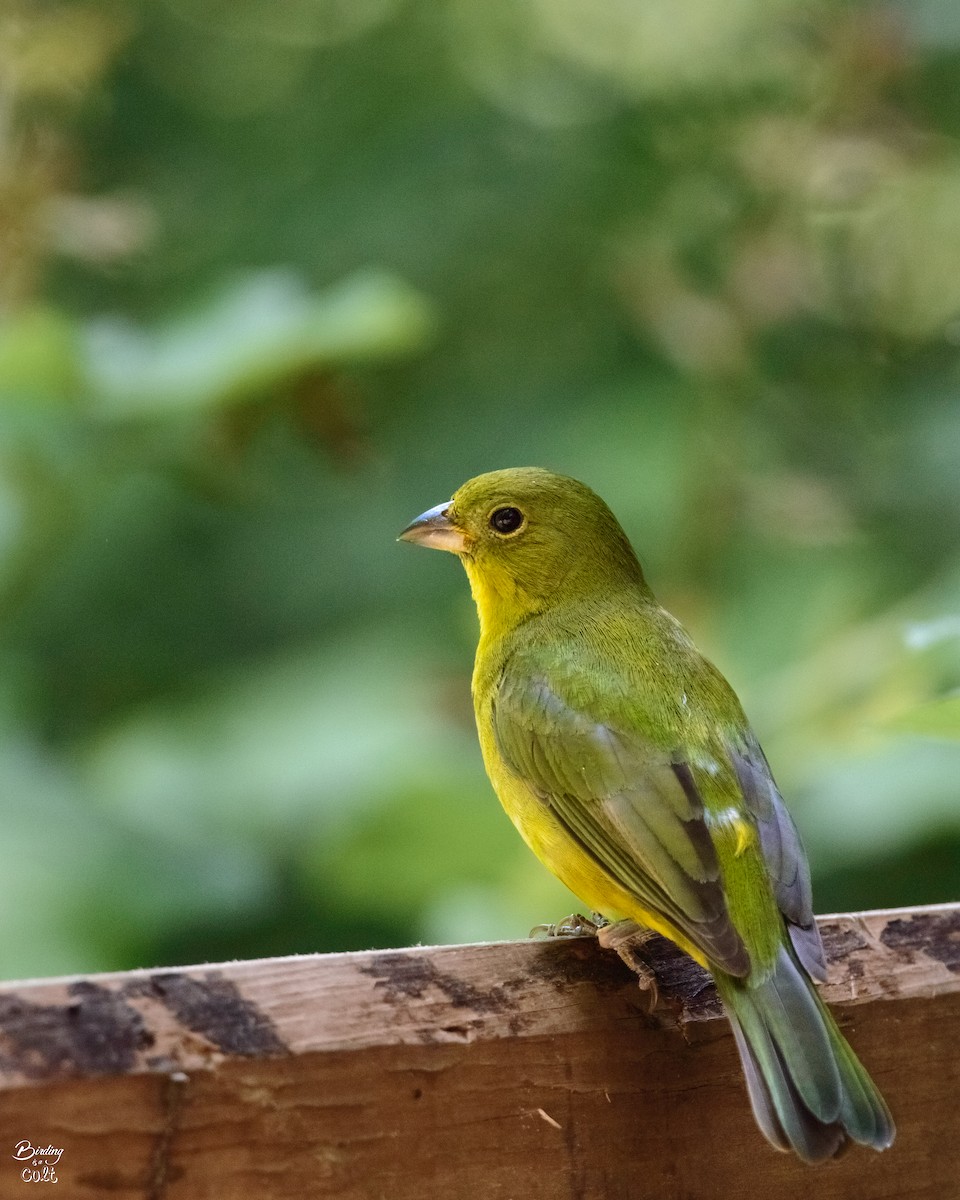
<point>518,1070</point>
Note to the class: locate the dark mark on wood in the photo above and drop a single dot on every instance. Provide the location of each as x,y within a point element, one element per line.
<point>95,1033</point>
<point>681,982</point>
<point>459,1033</point>
<point>934,934</point>
<point>682,985</point>
<point>215,1008</point>
<point>565,962</point>
<point>840,942</point>
<point>665,971</point>
<point>410,976</point>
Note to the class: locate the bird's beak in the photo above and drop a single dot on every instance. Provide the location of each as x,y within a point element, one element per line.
<point>434,528</point>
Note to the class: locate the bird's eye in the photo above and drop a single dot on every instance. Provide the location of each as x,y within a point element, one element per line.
<point>506,520</point>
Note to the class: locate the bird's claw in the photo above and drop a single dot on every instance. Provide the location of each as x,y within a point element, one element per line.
<point>628,939</point>
<point>575,925</point>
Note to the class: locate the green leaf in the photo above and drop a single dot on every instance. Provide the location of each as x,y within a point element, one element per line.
<point>39,357</point>
<point>254,336</point>
<point>937,718</point>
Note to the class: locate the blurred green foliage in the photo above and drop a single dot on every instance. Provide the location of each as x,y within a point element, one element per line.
<point>277,275</point>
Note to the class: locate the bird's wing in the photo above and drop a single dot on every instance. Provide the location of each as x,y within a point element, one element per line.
<point>634,807</point>
<point>782,851</point>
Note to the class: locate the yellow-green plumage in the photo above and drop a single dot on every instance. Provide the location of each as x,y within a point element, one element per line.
<point>626,762</point>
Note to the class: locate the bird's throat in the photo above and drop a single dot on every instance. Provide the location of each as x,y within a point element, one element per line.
<point>501,603</point>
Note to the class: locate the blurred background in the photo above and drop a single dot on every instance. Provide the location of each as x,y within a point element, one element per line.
<point>276,275</point>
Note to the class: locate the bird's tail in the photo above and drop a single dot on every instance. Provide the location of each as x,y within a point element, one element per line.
<point>808,1089</point>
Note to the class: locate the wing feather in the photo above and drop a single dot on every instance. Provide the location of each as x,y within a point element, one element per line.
<point>632,806</point>
<point>783,853</point>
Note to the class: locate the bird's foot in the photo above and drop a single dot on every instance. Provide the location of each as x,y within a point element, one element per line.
<point>576,925</point>
<point>628,939</point>
<point>623,935</point>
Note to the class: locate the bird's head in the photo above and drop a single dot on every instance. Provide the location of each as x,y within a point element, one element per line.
<point>529,538</point>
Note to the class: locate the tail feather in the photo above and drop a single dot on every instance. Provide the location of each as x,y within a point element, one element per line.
<point>777,1106</point>
<point>864,1114</point>
<point>808,1090</point>
<point>793,1015</point>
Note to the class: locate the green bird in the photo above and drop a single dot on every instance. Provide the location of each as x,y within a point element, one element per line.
<point>626,762</point>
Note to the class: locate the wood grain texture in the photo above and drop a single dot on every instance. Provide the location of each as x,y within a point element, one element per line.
<point>518,1070</point>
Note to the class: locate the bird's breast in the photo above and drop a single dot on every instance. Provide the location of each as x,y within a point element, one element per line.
<point>544,833</point>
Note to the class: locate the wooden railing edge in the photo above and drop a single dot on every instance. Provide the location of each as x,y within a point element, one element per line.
<point>536,1069</point>
<point>192,1018</point>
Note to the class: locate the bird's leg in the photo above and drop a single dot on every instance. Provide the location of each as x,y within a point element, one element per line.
<point>576,925</point>
<point>628,939</point>
<point>625,937</point>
